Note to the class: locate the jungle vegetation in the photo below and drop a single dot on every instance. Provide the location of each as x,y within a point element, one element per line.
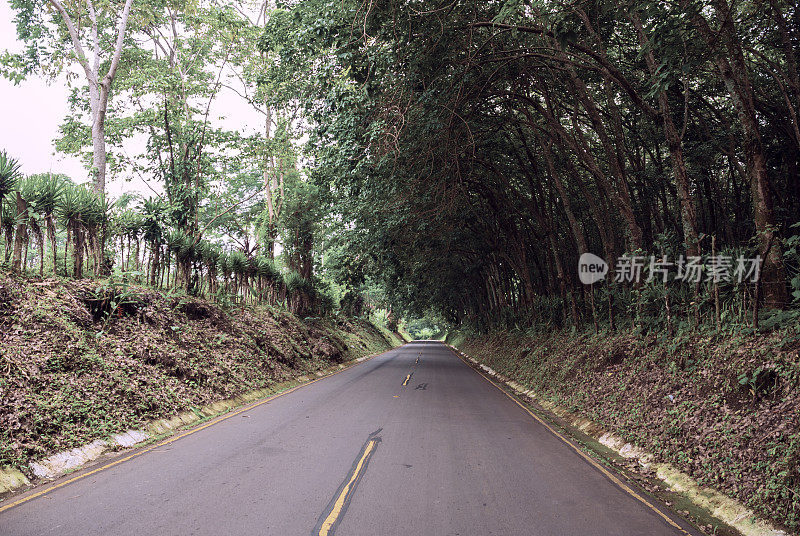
<point>450,159</point>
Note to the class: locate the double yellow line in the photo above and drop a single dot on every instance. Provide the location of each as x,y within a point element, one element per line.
<point>408,377</point>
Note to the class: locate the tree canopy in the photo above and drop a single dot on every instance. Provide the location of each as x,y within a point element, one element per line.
<point>456,159</point>
<point>479,148</point>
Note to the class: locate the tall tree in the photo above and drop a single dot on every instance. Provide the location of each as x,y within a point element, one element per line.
<point>100,29</point>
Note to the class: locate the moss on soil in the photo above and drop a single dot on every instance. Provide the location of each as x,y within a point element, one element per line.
<point>724,408</point>
<point>70,373</point>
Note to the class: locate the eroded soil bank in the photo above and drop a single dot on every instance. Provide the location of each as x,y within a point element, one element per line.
<point>80,360</point>
<point>724,408</point>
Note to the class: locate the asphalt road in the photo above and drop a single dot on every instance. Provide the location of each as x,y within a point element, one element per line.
<point>357,453</point>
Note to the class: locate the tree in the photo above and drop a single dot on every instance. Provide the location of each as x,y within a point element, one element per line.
<point>513,139</point>
<point>101,36</point>
<point>9,175</point>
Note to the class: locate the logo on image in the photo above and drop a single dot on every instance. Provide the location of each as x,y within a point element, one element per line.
<point>591,268</point>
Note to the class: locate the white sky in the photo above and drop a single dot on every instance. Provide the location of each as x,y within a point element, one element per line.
<point>30,115</point>
<point>31,112</point>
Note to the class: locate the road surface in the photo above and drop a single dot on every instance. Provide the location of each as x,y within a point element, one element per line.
<point>411,442</point>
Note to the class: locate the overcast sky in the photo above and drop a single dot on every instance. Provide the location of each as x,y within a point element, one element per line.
<point>31,112</point>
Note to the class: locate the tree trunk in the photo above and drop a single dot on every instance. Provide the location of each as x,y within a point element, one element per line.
<point>733,72</point>
<point>675,145</point>
<point>51,233</point>
<point>99,156</point>
<point>41,254</point>
<point>21,233</point>
<point>621,194</point>
<point>98,88</point>
<point>154,260</point>
<point>77,251</point>
<point>136,263</point>
<point>574,225</point>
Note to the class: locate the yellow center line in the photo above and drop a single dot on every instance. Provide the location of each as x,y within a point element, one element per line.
<point>407,379</point>
<point>585,456</point>
<point>336,511</point>
<point>177,437</point>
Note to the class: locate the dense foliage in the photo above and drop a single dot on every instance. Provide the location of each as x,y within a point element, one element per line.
<point>451,160</point>
<point>141,243</point>
<point>477,149</point>
<point>228,213</point>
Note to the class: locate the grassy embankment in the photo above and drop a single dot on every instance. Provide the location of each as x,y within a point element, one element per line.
<point>722,407</point>
<point>80,360</point>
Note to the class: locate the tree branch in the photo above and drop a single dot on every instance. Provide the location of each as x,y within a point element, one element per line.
<point>123,23</point>
<point>76,43</point>
<point>233,206</point>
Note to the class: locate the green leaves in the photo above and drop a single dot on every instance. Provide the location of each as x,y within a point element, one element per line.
<point>510,12</point>
<point>9,175</point>
<point>12,67</point>
<point>43,192</point>
<point>80,206</point>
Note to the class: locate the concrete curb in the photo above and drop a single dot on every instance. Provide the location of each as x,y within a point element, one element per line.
<point>59,464</point>
<point>724,508</point>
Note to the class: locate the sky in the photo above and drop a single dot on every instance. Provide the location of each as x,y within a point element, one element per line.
<point>31,112</point>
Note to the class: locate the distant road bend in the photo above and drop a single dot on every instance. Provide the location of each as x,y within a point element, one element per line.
<point>411,442</point>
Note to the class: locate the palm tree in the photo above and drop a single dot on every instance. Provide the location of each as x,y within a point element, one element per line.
<point>42,193</point>
<point>49,191</point>
<point>128,226</point>
<point>182,246</point>
<point>69,213</point>
<point>96,223</point>
<point>208,255</point>
<point>7,217</point>
<point>29,220</point>
<point>213,259</point>
<point>239,267</point>
<point>79,208</point>
<point>153,229</point>
<point>9,173</point>
<point>268,274</point>
<point>226,267</point>
<point>21,231</point>
<point>296,290</point>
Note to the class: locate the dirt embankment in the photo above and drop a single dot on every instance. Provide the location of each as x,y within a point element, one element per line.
<point>80,360</point>
<point>724,408</point>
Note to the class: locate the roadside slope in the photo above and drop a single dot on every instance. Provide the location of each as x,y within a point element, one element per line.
<point>80,360</point>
